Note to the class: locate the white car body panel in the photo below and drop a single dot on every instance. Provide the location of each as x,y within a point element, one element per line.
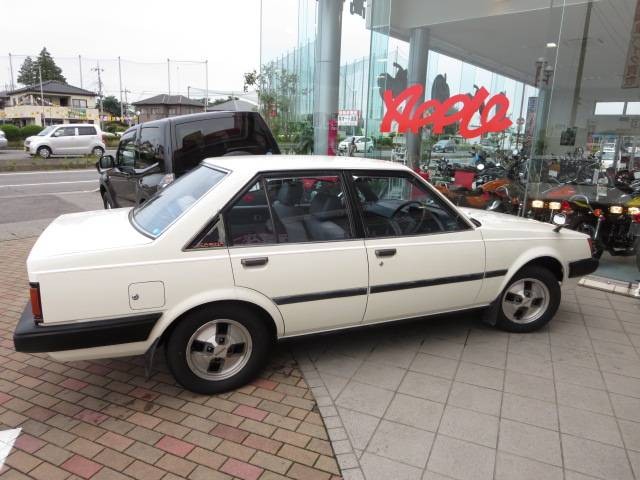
<point>87,263</point>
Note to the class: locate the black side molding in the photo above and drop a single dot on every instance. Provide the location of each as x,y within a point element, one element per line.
<point>431,282</point>
<point>312,297</point>
<point>30,337</point>
<point>580,268</point>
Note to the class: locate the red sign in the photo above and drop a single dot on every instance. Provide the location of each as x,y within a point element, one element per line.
<point>332,136</point>
<point>493,112</point>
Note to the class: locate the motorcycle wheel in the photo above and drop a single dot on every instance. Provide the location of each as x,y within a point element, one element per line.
<point>583,226</point>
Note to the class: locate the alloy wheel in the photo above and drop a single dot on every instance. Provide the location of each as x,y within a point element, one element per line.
<point>525,301</point>
<point>219,349</point>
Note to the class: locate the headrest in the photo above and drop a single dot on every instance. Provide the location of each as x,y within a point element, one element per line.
<point>290,193</point>
<point>325,206</point>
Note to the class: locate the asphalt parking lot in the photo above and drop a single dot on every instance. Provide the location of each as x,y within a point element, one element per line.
<point>446,398</point>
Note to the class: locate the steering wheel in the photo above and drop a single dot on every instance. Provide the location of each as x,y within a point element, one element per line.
<point>423,217</point>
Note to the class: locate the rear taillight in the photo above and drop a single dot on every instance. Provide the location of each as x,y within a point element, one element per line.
<point>636,218</point>
<point>36,303</point>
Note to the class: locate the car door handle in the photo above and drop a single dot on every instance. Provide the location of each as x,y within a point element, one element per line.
<point>254,262</point>
<point>386,252</point>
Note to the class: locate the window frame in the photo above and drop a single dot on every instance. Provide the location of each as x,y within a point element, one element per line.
<point>261,177</point>
<point>413,178</point>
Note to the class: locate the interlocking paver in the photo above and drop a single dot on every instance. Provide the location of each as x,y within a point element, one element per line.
<point>103,420</point>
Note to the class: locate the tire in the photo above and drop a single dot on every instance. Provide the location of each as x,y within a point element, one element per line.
<point>97,152</point>
<point>43,152</point>
<point>204,372</point>
<point>543,287</point>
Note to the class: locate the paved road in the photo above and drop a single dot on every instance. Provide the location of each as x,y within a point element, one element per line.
<point>29,200</point>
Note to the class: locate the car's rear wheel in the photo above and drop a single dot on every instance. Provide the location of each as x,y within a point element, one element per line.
<point>529,301</point>
<point>216,349</point>
<point>44,152</point>
<point>97,152</point>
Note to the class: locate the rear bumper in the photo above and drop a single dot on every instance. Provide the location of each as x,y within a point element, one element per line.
<point>580,268</point>
<point>30,337</point>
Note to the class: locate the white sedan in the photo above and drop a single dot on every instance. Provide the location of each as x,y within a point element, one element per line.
<point>244,251</point>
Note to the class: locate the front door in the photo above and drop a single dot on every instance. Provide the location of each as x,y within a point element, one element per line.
<point>63,141</point>
<point>423,258</point>
<point>292,239</point>
<point>122,177</point>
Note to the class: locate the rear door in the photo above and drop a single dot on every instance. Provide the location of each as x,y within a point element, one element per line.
<point>86,139</point>
<point>423,256</point>
<point>292,239</point>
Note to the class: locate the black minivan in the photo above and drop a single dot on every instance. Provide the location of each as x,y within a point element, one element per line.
<point>153,154</point>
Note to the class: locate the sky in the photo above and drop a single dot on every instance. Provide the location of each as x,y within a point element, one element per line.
<point>144,34</point>
<point>147,33</point>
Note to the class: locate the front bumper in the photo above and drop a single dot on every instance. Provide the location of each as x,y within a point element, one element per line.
<point>30,337</point>
<point>580,268</point>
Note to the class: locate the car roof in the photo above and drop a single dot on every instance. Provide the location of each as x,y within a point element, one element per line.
<point>74,125</point>
<point>275,163</point>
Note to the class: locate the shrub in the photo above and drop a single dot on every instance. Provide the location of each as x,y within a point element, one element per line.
<point>30,130</point>
<point>10,131</point>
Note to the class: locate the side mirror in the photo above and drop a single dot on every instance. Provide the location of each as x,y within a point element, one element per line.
<point>106,162</point>
<point>560,221</point>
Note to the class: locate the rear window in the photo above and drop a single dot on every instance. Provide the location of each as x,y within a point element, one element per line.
<point>169,204</point>
<point>87,131</point>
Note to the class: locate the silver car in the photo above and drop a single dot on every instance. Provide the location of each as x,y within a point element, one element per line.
<point>3,140</point>
<point>67,139</point>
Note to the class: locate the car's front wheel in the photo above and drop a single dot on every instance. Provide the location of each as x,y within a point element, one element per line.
<point>529,301</point>
<point>44,152</point>
<point>212,350</point>
<point>97,152</point>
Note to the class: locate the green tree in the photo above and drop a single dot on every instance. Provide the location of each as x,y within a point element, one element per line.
<point>50,71</point>
<point>28,73</point>
<point>111,105</point>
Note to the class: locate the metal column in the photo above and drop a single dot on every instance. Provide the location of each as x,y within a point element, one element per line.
<point>417,73</point>
<point>327,71</point>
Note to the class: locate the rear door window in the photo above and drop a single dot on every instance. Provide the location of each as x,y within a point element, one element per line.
<point>215,137</point>
<point>87,131</point>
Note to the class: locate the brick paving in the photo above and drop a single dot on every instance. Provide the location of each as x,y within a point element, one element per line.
<point>103,420</point>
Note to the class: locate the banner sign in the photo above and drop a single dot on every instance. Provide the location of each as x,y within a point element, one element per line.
<point>493,112</point>
<point>631,74</point>
<point>348,118</point>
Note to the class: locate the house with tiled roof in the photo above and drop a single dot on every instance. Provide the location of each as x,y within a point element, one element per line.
<point>163,106</point>
<point>52,103</point>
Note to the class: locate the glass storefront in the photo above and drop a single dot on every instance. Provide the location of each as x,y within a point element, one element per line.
<point>529,108</point>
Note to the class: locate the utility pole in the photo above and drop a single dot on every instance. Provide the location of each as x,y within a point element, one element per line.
<point>188,91</point>
<point>126,101</point>
<point>99,71</point>
<point>41,95</point>
<point>169,75</point>
<point>80,65</point>
<point>120,79</point>
<point>206,82</point>
<point>11,70</point>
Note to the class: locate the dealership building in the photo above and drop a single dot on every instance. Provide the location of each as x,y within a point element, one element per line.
<point>557,80</point>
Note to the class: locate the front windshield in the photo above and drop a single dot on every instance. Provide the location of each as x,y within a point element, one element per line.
<point>46,131</point>
<point>166,206</point>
